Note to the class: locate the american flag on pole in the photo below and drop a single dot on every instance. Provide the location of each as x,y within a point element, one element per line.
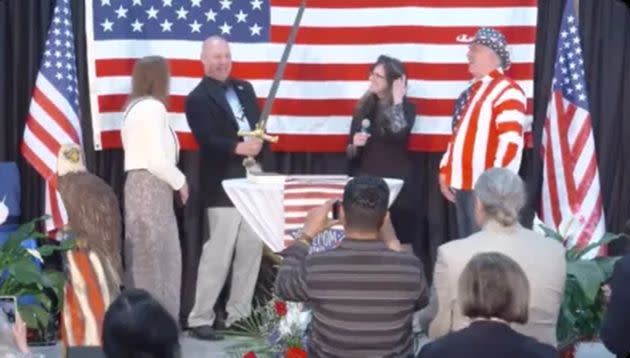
<point>53,117</point>
<point>302,194</point>
<point>571,189</point>
<point>328,67</point>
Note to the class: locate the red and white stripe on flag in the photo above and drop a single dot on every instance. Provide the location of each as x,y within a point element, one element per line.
<point>328,67</point>
<point>53,117</point>
<point>571,188</point>
<point>302,195</point>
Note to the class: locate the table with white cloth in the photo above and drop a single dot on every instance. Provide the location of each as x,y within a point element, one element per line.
<point>261,205</point>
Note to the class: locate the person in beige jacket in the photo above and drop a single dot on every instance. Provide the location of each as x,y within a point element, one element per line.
<point>153,259</point>
<point>500,195</point>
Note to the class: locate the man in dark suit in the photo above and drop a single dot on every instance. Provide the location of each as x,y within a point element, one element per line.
<point>615,329</point>
<point>216,110</point>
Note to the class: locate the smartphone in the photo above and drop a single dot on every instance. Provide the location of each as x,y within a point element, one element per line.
<point>8,307</point>
<point>335,210</point>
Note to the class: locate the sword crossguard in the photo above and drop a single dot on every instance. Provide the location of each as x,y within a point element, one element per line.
<point>260,134</point>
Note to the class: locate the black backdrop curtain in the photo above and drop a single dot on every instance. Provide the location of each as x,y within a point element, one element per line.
<point>604,25</point>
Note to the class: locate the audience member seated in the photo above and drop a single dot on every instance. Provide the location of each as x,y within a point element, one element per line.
<point>362,293</point>
<point>493,292</point>
<point>615,330</point>
<point>137,326</point>
<point>500,195</point>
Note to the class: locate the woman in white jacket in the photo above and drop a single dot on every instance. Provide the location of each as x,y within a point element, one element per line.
<point>152,248</point>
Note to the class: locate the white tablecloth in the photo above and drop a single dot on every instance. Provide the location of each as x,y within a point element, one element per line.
<point>261,205</point>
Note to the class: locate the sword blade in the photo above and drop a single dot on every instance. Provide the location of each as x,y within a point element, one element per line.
<point>264,116</point>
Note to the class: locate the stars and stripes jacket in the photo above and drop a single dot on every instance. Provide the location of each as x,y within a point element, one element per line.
<point>488,132</point>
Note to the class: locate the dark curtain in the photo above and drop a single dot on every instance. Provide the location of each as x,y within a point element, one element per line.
<point>604,25</point>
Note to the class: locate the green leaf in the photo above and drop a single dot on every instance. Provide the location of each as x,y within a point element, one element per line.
<point>568,315</point>
<point>607,265</point>
<point>47,250</point>
<point>24,232</point>
<point>552,234</point>
<point>68,244</point>
<point>573,253</point>
<point>34,316</point>
<point>14,244</point>
<point>25,272</point>
<point>37,235</point>
<point>28,317</point>
<point>55,279</point>
<point>45,301</point>
<point>605,240</point>
<point>588,275</point>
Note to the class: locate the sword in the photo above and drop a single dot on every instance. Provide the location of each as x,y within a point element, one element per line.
<point>260,129</point>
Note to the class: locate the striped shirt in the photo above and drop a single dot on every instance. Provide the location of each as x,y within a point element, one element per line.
<point>362,296</point>
<point>488,134</point>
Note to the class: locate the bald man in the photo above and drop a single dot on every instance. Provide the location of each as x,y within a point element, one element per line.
<point>216,110</point>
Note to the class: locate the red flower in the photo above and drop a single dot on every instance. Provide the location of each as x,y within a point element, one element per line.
<point>295,352</point>
<point>281,308</point>
<point>250,354</point>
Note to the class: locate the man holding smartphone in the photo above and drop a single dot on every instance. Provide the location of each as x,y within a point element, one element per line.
<point>356,286</point>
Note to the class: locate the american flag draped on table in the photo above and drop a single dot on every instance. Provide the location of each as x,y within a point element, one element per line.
<point>328,67</point>
<point>53,117</point>
<point>303,194</point>
<point>571,189</point>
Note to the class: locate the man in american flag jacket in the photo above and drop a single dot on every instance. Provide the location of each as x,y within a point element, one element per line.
<point>488,124</point>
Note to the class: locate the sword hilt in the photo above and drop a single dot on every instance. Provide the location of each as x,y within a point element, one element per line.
<point>259,133</point>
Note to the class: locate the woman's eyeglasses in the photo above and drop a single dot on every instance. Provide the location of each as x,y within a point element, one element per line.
<point>375,74</point>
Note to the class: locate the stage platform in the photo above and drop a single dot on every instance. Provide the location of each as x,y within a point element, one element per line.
<point>193,348</point>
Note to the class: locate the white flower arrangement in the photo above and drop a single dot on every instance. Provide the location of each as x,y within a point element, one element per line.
<point>295,320</point>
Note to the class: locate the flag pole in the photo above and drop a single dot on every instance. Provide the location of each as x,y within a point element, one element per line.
<point>576,8</point>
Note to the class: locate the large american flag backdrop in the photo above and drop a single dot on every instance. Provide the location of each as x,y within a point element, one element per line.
<point>571,189</point>
<point>53,116</point>
<point>328,67</point>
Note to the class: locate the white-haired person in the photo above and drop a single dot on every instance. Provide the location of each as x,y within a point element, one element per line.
<point>488,125</point>
<point>499,197</point>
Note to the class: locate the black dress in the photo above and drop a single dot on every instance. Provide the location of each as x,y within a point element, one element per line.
<point>385,155</point>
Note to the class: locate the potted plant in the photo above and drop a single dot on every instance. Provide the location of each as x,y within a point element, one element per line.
<point>582,308</point>
<point>21,275</point>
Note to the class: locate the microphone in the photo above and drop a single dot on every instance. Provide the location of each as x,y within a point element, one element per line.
<point>365,126</point>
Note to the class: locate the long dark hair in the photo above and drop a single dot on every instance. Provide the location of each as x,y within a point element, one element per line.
<point>394,69</point>
<point>150,77</point>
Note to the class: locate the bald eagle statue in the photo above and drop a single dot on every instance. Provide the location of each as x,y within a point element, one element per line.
<point>95,267</point>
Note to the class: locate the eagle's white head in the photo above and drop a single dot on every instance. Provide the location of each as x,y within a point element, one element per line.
<point>70,159</point>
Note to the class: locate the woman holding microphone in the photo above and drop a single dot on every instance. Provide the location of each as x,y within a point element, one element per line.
<point>381,124</point>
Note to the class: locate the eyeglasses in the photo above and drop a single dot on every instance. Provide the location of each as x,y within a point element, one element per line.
<point>377,75</point>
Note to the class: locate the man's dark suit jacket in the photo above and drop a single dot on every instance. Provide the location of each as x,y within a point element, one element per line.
<point>213,124</point>
<point>615,331</point>
<point>487,339</point>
